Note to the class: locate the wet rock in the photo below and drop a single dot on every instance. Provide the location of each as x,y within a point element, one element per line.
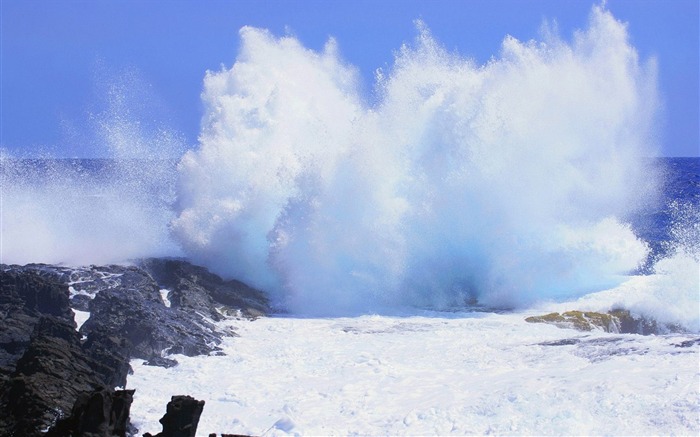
<point>132,308</point>
<point>42,364</point>
<point>630,324</point>
<point>617,321</point>
<point>47,379</point>
<point>128,317</point>
<point>80,302</point>
<point>196,288</point>
<point>24,297</point>
<point>161,362</point>
<point>229,435</point>
<point>579,320</point>
<point>101,413</point>
<point>46,365</point>
<point>138,315</point>
<point>563,342</point>
<point>110,357</point>
<point>181,417</point>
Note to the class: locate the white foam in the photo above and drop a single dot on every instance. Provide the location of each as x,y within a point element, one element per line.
<point>164,297</point>
<point>672,294</point>
<point>80,317</point>
<point>448,374</point>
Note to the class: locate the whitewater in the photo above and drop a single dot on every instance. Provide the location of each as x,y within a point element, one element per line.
<point>430,374</point>
<point>403,235</point>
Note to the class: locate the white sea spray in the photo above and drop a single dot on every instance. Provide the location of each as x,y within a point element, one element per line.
<point>76,211</point>
<point>506,182</point>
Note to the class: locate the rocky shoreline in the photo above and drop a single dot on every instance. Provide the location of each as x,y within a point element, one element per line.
<point>52,371</point>
<point>68,336</point>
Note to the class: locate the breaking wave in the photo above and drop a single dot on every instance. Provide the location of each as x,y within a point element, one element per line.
<point>503,183</point>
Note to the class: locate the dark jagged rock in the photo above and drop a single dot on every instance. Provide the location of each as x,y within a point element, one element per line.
<point>80,302</point>
<point>45,364</point>
<point>229,435</point>
<point>101,413</point>
<point>110,357</point>
<point>47,379</point>
<point>128,317</point>
<point>24,297</point>
<point>181,417</point>
<point>135,312</point>
<point>34,293</point>
<point>161,362</point>
<point>196,288</point>
<point>132,307</point>
<point>563,342</point>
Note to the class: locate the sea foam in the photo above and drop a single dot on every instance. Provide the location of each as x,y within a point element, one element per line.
<point>503,183</point>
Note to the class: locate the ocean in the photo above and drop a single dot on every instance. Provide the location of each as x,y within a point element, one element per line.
<point>404,236</point>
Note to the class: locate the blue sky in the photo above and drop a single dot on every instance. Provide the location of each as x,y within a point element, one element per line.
<point>58,56</point>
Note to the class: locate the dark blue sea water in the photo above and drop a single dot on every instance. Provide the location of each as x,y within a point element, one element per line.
<point>679,192</point>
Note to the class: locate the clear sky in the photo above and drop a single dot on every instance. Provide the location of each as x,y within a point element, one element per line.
<point>57,55</point>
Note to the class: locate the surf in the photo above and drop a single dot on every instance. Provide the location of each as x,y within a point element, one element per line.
<point>502,183</point>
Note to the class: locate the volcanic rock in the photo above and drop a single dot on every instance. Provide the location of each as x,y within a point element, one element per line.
<point>24,297</point>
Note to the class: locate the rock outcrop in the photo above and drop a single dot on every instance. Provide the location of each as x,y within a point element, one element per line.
<point>44,365</point>
<point>47,367</point>
<point>133,308</point>
<point>25,296</point>
<point>101,413</point>
<point>617,321</point>
<point>181,417</point>
<point>195,288</point>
